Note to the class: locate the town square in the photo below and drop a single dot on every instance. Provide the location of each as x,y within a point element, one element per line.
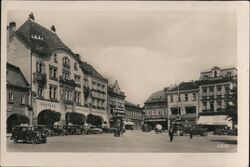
<point>122,80</point>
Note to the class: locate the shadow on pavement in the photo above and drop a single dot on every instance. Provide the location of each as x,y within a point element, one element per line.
<point>226,141</point>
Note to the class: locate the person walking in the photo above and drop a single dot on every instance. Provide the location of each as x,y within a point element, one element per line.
<point>171,133</point>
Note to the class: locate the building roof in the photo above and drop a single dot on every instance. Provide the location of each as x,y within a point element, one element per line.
<point>87,68</point>
<point>39,38</point>
<point>157,97</point>
<point>127,103</point>
<point>185,86</point>
<point>15,77</point>
<point>46,41</point>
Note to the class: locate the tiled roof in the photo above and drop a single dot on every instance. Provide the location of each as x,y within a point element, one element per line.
<point>131,104</point>
<point>91,70</point>
<point>15,77</point>
<point>157,96</point>
<point>39,39</point>
<point>185,86</point>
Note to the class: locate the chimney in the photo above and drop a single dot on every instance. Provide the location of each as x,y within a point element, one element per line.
<point>11,29</point>
<point>31,16</point>
<point>53,28</point>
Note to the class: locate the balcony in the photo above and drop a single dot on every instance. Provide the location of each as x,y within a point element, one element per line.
<point>69,82</point>
<point>40,78</point>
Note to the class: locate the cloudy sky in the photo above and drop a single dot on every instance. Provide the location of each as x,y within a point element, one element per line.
<point>145,51</point>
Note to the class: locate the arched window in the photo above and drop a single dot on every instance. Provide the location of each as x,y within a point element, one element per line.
<point>215,74</point>
<point>66,62</point>
<point>75,66</point>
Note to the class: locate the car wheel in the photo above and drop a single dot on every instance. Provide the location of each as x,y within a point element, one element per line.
<point>34,140</point>
<point>45,140</point>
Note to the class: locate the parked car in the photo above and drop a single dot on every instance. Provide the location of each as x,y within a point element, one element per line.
<point>93,130</point>
<point>27,133</point>
<point>59,130</point>
<point>231,132</point>
<point>45,130</point>
<point>197,130</point>
<point>74,129</point>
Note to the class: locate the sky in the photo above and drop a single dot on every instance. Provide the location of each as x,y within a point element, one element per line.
<point>145,51</point>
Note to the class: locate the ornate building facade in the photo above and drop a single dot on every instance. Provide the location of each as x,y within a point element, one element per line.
<point>59,80</point>
<point>214,90</point>
<point>116,102</point>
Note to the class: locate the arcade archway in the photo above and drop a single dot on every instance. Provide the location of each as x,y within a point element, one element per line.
<point>48,117</point>
<point>16,119</point>
<point>75,118</point>
<point>94,120</point>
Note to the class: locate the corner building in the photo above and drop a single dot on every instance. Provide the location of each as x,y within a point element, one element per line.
<point>59,80</point>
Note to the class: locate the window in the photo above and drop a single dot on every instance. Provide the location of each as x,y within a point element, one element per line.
<point>76,66</point>
<point>77,98</point>
<point>215,74</point>
<point>179,97</point>
<point>40,67</point>
<point>212,106</point>
<point>10,97</point>
<point>190,110</point>
<point>77,79</point>
<point>186,97</point>
<point>66,62</point>
<point>229,74</point>
<point>204,91</point>
<point>171,98</point>
<point>211,91</point>
<point>53,72</point>
<point>53,92</point>
<point>22,99</point>
<point>39,92</point>
<point>66,75</point>
<point>219,90</point>
<point>55,58</point>
<point>219,104</point>
<point>204,105</point>
<point>194,96</point>
<point>68,96</point>
<point>174,111</point>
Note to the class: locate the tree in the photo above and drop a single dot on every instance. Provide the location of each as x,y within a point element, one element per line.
<point>48,117</point>
<point>231,103</point>
<point>76,118</point>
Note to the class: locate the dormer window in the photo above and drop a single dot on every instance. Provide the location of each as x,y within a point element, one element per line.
<point>228,74</point>
<point>75,66</point>
<point>37,37</point>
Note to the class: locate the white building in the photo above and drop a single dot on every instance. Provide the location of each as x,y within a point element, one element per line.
<point>59,80</point>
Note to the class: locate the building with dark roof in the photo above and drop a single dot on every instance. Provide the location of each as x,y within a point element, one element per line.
<point>59,80</point>
<point>18,91</point>
<point>134,116</point>
<point>183,102</point>
<point>155,110</point>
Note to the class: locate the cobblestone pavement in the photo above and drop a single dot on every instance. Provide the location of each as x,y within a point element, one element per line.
<point>131,141</point>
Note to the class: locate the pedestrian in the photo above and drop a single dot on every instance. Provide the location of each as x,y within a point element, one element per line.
<point>191,133</point>
<point>171,133</point>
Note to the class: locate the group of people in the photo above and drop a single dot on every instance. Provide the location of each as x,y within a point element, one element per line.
<point>172,130</point>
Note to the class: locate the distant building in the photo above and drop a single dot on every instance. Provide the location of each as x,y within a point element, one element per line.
<point>116,102</point>
<point>156,109</point>
<point>59,80</point>
<point>214,90</point>
<point>183,103</point>
<point>134,116</point>
<point>18,91</point>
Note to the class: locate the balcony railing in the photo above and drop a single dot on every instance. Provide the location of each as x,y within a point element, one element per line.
<point>70,82</point>
<point>41,78</point>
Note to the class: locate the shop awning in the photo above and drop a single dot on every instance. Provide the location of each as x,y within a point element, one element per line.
<point>213,120</point>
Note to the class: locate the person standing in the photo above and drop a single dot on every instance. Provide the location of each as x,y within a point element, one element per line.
<point>191,132</point>
<point>171,133</point>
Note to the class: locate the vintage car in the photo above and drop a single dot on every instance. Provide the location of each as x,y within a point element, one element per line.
<point>59,130</point>
<point>93,130</point>
<point>74,129</point>
<point>158,128</point>
<point>45,130</point>
<point>196,130</point>
<point>26,133</point>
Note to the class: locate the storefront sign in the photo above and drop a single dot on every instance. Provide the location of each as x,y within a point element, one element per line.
<point>152,120</point>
